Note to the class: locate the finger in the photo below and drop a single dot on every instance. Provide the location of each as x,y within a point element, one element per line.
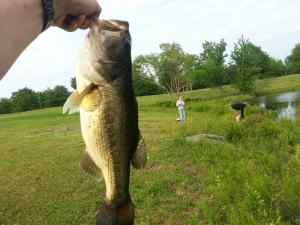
<point>81,19</point>
<point>59,22</point>
<point>97,12</point>
<point>86,24</point>
<point>68,23</point>
<point>74,26</point>
<point>76,23</point>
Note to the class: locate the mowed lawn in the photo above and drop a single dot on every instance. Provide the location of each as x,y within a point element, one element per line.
<point>251,179</point>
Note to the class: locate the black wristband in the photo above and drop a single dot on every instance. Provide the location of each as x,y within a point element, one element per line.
<point>48,13</point>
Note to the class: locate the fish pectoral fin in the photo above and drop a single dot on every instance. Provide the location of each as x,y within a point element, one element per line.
<point>139,158</point>
<point>72,104</point>
<point>88,165</point>
<point>91,101</point>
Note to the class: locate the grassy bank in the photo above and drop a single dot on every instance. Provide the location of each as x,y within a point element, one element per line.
<point>264,87</point>
<point>251,179</point>
<point>278,85</point>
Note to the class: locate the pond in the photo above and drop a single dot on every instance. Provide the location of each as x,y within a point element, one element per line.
<point>285,104</point>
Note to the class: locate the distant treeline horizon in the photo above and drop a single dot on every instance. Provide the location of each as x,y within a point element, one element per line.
<point>27,99</point>
<point>175,70</point>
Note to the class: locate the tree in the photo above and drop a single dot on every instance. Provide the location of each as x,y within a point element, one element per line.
<point>60,95</point>
<point>24,100</point>
<point>173,67</point>
<point>257,60</point>
<point>5,106</point>
<point>170,65</point>
<point>277,68</point>
<point>244,56</point>
<point>213,63</point>
<point>55,97</point>
<point>198,79</point>
<point>293,60</point>
<point>144,76</point>
<point>146,86</point>
<point>214,52</point>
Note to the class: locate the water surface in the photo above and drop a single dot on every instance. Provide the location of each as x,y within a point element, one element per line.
<point>285,104</point>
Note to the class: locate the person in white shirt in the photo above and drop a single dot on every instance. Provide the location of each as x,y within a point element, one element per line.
<point>180,106</point>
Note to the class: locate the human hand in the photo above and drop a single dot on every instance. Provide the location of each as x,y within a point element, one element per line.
<point>73,14</point>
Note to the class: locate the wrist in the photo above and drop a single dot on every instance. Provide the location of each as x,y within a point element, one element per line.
<point>59,8</point>
<point>31,15</point>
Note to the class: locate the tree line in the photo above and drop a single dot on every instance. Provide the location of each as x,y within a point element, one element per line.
<point>27,99</point>
<point>174,70</point>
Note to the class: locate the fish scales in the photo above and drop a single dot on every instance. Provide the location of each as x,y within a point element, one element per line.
<point>109,117</point>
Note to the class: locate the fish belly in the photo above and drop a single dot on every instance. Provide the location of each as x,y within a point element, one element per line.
<point>104,133</point>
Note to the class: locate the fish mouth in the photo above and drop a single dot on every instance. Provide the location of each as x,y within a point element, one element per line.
<point>108,25</point>
<point>106,40</point>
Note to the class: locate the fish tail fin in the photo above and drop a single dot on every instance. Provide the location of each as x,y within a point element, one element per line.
<point>116,215</point>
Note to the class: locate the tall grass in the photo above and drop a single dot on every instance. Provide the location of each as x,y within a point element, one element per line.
<point>251,179</point>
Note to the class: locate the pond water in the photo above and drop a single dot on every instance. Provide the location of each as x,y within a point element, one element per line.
<point>285,104</point>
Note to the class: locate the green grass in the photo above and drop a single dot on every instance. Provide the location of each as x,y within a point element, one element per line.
<point>252,179</point>
<point>264,87</point>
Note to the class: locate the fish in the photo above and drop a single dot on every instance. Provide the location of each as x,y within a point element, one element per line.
<point>109,117</point>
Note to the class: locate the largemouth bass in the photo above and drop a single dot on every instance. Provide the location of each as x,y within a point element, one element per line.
<point>109,116</point>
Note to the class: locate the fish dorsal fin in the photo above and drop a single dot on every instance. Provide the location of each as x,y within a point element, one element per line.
<point>73,102</point>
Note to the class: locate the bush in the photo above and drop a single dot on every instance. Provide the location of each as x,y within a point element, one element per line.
<point>5,106</point>
<point>27,99</point>
<point>252,181</point>
<point>147,86</point>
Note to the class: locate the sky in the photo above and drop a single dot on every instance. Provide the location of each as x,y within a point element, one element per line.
<point>271,24</point>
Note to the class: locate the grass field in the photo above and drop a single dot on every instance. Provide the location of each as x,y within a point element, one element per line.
<point>251,179</point>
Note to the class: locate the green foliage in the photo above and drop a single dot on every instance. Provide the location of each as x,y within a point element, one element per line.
<point>214,52</point>
<point>251,179</point>
<point>24,100</point>
<point>144,76</point>
<point>171,68</point>
<point>277,68</point>
<point>198,78</point>
<point>27,99</point>
<point>209,69</point>
<point>293,60</point>
<point>146,86</point>
<point>145,66</point>
<point>244,176</point>
<point>54,97</point>
<point>214,74</point>
<point>244,57</point>
<point>5,106</point>
<point>176,70</point>
<point>171,64</point>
